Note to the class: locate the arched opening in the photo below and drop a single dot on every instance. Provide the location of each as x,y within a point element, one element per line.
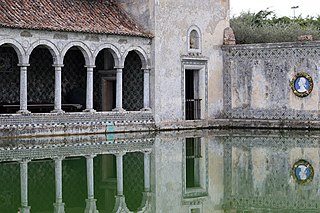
<point>73,81</point>
<point>104,76</point>
<point>194,42</point>
<point>9,80</point>
<point>40,81</point>
<point>132,84</point>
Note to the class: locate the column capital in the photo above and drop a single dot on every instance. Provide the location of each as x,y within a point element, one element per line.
<point>58,65</point>
<point>24,161</point>
<point>58,158</point>
<point>118,68</point>
<point>90,66</point>
<point>23,65</point>
<point>120,154</point>
<point>90,156</point>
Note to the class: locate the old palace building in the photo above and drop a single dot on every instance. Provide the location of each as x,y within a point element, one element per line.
<point>77,62</point>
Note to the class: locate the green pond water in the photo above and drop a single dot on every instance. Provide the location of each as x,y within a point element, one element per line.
<point>188,172</point>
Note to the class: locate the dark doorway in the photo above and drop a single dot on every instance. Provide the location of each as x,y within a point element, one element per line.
<point>108,91</point>
<point>192,101</point>
<point>104,82</point>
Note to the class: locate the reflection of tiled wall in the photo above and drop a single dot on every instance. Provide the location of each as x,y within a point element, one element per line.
<point>9,80</point>
<point>41,185</point>
<point>74,182</point>
<point>9,187</point>
<point>133,179</point>
<point>132,83</point>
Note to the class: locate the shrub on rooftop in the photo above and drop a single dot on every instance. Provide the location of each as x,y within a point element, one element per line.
<point>266,27</point>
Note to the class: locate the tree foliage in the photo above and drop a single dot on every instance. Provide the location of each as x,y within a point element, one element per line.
<point>266,27</point>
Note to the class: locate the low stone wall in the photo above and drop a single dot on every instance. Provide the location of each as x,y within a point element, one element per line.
<point>12,125</point>
<point>258,81</point>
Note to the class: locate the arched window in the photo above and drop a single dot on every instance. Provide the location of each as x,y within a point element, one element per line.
<point>194,40</point>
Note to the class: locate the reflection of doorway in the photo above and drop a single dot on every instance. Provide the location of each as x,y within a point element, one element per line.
<point>108,184</point>
<point>193,157</point>
<point>108,92</point>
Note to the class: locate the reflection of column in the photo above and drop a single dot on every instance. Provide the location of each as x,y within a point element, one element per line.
<point>24,186</point>
<point>89,97</point>
<point>57,89</point>
<point>145,205</point>
<point>119,90</point>
<point>147,171</point>
<point>227,176</point>
<point>120,204</point>
<point>146,90</point>
<point>23,89</point>
<point>90,202</point>
<point>119,158</point>
<point>58,206</point>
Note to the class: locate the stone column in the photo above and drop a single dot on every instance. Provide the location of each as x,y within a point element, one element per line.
<point>58,205</point>
<point>23,89</point>
<point>119,91</point>
<point>57,89</point>
<point>89,96</point>
<point>24,186</point>
<point>146,90</point>
<point>90,202</point>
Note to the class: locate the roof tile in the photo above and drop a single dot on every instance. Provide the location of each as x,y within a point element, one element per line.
<point>93,16</point>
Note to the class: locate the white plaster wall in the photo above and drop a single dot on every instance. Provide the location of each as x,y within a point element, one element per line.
<point>168,174</point>
<point>173,18</point>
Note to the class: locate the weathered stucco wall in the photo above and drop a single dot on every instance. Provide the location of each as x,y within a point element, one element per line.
<point>257,81</point>
<point>169,21</point>
<point>171,43</point>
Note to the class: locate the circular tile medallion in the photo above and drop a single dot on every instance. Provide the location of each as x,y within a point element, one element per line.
<point>302,84</point>
<point>302,171</point>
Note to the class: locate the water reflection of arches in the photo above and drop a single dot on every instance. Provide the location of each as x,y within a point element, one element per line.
<point>68,170</point>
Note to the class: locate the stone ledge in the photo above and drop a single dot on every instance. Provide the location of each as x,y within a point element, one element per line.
<point>74,123</point>
<point>77,125</point>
